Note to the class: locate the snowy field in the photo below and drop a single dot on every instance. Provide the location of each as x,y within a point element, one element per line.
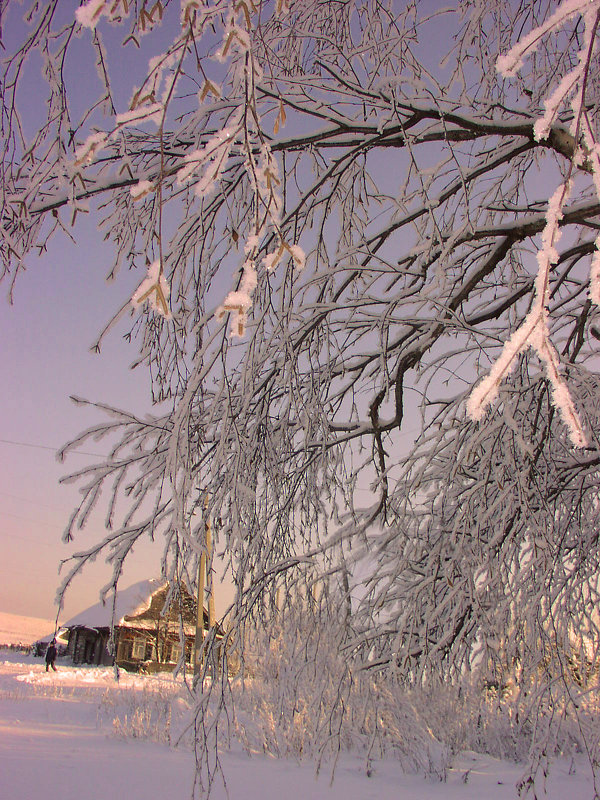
<point>82,734</point>
<point>15,629</point>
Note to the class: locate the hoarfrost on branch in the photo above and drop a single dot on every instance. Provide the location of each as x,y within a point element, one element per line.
<point>343,233</point>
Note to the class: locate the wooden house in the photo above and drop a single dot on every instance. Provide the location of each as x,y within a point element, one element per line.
<point>146,636</point>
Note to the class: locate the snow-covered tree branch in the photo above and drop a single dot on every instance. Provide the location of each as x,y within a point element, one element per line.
<point>353,223</point>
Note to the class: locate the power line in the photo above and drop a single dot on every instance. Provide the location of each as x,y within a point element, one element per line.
<point>20,538</point>
<point>36,502</point>
<point>46,447</point>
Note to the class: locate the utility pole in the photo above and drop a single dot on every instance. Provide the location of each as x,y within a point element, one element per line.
<point>205,558</point>
<point>210,587</point>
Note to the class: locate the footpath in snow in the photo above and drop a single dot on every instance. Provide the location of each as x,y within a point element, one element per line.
<point>57,737</point>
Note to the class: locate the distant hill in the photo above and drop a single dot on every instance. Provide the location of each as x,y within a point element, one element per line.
<point>15,629</point>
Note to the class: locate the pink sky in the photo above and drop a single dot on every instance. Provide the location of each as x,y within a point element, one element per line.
<point>60,305</point>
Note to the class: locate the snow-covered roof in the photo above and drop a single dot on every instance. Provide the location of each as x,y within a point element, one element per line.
<point>59,636</point>
<point>129,602</point>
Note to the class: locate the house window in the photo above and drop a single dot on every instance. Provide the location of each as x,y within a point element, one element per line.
<point>148,653</point>
<point>139,649</point>
<point>125,647</point>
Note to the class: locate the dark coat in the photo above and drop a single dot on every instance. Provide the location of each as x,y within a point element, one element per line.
<point>50,654</point>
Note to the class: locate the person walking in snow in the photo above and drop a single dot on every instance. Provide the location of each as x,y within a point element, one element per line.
<point>51,655</point>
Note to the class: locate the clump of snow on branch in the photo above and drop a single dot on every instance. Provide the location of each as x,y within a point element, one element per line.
<point>87,152</point>
<point>149,113</point>
<point>89,14</point>
<point>157,67</point>
<point>509,64</point>
<point>295,251</point>
<point>210,161</point>
<point>204,166</point>
<point>568,86</point>
<point>267,181</point>
<point>252,243</point>
<point>141,189</point>
<point>155,289</point>
<point>235,38</point>
<point>240,301</point>
<point>534,332</point>
<point>592,155</point>
<point>298,255</point>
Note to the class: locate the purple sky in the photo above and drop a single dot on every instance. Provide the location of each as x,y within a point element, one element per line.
<point>60,305</point>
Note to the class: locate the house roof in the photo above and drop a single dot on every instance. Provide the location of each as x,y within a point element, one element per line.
<point>128,603</point>
<point>58,637</point>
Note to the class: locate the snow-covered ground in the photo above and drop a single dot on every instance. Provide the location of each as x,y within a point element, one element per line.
<point>15,629</point>
<point>68,731</point>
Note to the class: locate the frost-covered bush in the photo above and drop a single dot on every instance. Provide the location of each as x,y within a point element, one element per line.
<point>304,699</point>
<point>301,697</point>
<point>297,696</point>
<point>141,714</point>
<point>508,724</point>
